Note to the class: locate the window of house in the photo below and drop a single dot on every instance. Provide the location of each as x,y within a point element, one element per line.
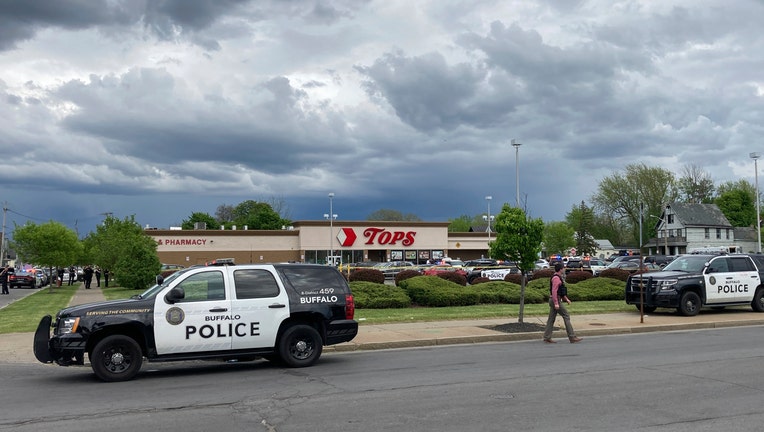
<point>671,218</point>
<point>728,233</point>
<point>718,233</point>
<point>708,233</point>
<point>671,232</point>
<point>679,232</point>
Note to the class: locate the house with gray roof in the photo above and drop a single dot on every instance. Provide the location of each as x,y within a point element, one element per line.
<point>683,227</point>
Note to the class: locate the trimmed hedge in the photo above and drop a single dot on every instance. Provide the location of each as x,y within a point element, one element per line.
<point>614,273</point>
<point>454,277</point>
<point>577,276</point>
<point>367,275</point>
<point>405,274</point>
<point>433,291</point>
<point>369,295</point>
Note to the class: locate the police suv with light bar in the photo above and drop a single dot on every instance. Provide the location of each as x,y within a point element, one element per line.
<point>693,281</point>
<point>281,312</point>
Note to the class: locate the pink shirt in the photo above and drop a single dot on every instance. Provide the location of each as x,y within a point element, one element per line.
<point>556,282</point>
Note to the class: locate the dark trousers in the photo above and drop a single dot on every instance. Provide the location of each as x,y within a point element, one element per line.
<point>5,287</point>
<point>87,283</point>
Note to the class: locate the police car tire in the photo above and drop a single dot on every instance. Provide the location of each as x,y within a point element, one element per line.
<point>689,304</point>
<point>758,300</point>
<point>300,346</point>
<point>103,356</point>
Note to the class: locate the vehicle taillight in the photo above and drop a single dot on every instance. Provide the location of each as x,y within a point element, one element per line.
<point>349,307</point>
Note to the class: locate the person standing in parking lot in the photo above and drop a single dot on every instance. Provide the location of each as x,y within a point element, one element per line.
<point>4,279</point>
<point>557,294</point>
<point>87,274</point>
<point>72,275</point>
<point>98,276</point>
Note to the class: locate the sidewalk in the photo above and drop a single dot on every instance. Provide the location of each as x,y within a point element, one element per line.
<point>17,347</point>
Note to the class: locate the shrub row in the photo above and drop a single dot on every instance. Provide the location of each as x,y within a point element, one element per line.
<point>433,291</point>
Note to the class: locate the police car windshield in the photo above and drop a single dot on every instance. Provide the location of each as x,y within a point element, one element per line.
<point>151,292</point>
<point>688,263</point>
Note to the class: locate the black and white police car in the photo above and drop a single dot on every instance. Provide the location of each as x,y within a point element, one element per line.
<point>281,312</point>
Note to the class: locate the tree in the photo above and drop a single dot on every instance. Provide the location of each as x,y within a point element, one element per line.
<point>518,238</point>
<point>392,215</point>
<point>737,202</point>
<point>122,247</point>
<point>581,218</point>
<point>461,224</point>
<point>209,221</point>
<point>224,213</point>
<point>696,185</point>
<point>51,245</point>
<point>256,215</point>
<point>558,238</point>
<point>640,191</point>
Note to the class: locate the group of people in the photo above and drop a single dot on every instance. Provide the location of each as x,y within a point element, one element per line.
<point>87,275</point>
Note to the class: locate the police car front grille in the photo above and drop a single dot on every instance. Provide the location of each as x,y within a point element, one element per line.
<point>649,284</point>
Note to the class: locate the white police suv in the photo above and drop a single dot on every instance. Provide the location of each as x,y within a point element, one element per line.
<point>281,312</point>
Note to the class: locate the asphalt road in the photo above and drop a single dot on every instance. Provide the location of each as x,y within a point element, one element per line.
<point>703,380</point>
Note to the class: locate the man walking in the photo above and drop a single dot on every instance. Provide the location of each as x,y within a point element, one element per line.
<point>558,293</point>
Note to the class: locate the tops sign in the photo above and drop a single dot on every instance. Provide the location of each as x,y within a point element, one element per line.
<point>380,236</point>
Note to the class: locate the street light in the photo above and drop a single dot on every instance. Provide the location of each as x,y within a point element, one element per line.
<point>488,219</point>
<point>755,156</point>
<point>517,145</point>
<point>331,216</point>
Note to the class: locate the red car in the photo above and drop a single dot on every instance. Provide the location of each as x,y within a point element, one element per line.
<point>440,269</point>
<point>22,279</point>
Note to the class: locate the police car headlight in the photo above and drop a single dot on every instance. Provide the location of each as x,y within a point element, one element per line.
<point>667,284</point>
<point>68,325</point>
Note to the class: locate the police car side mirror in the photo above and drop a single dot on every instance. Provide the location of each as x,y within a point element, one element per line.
<point>175,295</point>
<point>160,279</point>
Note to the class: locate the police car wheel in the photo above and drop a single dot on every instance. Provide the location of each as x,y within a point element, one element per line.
<point>758,300</point>
<point>116,358</point>
<point>689,304</point>
<point>300,346</point>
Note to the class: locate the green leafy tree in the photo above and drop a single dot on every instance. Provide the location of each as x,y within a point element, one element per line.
<point>558,238</point>
<point>122,247</point>
<point>639,191</point>
<point>461,224</point>
<point>212,223</point>
<point>696,185</point>
<point>582,219</point>
<point>737,202</point>
<point>518,238</point>
<point>392,215</point>
<point>256,215</point>
<point>51,245</point>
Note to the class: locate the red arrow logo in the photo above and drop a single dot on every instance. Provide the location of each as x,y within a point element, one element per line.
<point>346,236</point>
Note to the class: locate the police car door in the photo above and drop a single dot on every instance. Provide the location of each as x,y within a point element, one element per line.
<point>260,305</point>
<point>730,280</point>
<point>200,321</point>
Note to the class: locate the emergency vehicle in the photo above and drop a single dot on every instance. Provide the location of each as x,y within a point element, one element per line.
<point>281,312</point>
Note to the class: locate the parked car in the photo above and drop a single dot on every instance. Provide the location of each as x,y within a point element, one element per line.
<point>391,268</point>
<point>597,265</point>
<point>22,279</point>
<point>661,260</point>
<point>633,266</point>
<point>541,264</point>
<point>441,269</point>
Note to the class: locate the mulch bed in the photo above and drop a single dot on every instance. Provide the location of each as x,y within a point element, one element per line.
<point>517,327</point>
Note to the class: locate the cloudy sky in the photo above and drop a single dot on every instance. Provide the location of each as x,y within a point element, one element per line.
<point>162,108</point>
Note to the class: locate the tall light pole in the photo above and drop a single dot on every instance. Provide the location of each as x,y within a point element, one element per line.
<point>489,218</point>
<point>517,145</point>
<point>331,216</point>
<point>755,156</point>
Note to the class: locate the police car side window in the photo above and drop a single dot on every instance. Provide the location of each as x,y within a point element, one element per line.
<point>203,287</point>
<point>741,264</point>
<point>255,284</point>
<point>718,265</point>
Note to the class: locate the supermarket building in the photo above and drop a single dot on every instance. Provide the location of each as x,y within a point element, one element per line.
<point>314,241</point>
